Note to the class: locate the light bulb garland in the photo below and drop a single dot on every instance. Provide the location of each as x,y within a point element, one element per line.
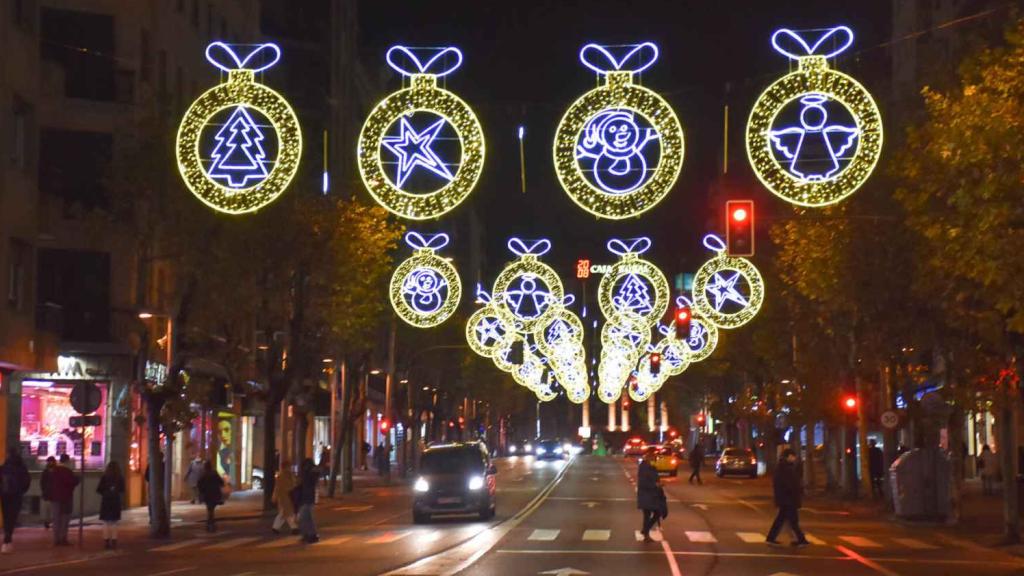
<point>527,288</point>
<point>619,148</point>
<point>634,289</point>
<point>425,116</point>
<point>239,144</point>
<point>425,289</point>
<point>727,291</point>
<point>821,160</point>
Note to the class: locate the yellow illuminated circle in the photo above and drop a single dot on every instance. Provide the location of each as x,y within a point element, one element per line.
<point>240,90</point>
<point>489,329</point>
<point>426,264</point>
<point>679,350</point>
<point>814,77</point>
<point>501,353</point>
<point>422,96</point>
<point>717,269</point>
<point>632,268</point>
<point>619,93</point>
<point>528,267</point>
<point>707,333</point>
<point>570,339</point>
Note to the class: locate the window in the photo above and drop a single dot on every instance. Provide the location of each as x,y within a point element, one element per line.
<point>83,45</point>
<point>45,410</point>
<point>75,166</point>
<point>145,57</point>
<point>23,118</point>
<point>17,273</point>
<point>73,294</point>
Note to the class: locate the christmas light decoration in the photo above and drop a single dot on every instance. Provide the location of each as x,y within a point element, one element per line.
<point>239,118</point>
<point>727,291</point>
<point>619,148</point>
<point>527,288</point>
<point>422,113</point>
<point>563,330</point>
<point>425,289</point>
<point>489,329</point>
<point>821,160</point>
<point>634,289</point>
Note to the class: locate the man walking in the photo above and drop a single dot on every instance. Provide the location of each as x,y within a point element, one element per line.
<point>876,464</point>
<point>696,461</point>
<point>648,494</point>
<point>195,472</point>
<point>14,483</point>
<point>62,496</point>
<point>788,496</point>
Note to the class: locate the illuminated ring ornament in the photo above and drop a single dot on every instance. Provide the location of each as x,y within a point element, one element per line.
<point>812,85</point>
<point>635,279</point>
<point>544,302</point>
<point>720,276</point>
<point>620,98</point>
<point>239,152</point>
<point>423,95</point>
<point>425,289</point>
<point>489,329</point>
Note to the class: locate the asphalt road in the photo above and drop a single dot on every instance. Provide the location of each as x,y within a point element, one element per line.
<point>560,519</point>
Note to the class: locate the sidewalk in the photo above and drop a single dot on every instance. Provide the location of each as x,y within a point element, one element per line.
<point>34,549</point>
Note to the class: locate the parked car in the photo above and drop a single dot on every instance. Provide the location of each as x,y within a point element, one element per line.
<point>549,449</point>
<point>455,478</point>
<point>257,478</point>
<point>737,461</point>
<point>666,461</point>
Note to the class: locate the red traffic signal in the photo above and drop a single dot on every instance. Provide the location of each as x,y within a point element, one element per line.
<point>682,322</point>
<point>384,425</point>
<point>700,419</point>
<point>655,363</point>
<point>739,227</point>
<point>849,403</point>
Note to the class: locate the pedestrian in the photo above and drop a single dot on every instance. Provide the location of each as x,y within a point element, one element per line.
<point>325,462</point>
<point>696,462</point>
<point>111,491</point>
<point>44,492</point>
<point>62,497</point>
<point>282,496</point>
<point>381,458</point>
<point>989,469</point>
<point>211,490</point>
<point>876,466</point>
<point>365,451</point>
<point>308,476</point>
<point>788,496</point>
<point>195,471</point>
<point>14,483</point>
<point>648,493</point>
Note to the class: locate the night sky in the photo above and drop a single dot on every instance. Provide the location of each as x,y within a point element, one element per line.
<point>522,68</point>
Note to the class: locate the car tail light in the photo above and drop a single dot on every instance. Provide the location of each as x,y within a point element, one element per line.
<point>675,462</point>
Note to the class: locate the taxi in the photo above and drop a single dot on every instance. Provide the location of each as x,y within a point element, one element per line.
<point>665,460</point>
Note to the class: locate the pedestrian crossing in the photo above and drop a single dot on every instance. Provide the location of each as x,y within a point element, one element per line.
<point>703,537</point>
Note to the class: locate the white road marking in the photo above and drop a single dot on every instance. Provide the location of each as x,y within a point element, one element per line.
<point>866,562</point>
<point>672,564</point>
<point>544,535</point>
<point>814,539</point>
<point>231,543</point>
<point>388,537</point>
<point>333,541</point>
<point>597,535</point>
<point>860,541</point>
<point>178,545</point>
<point>175,571</point>
<point>352,508</point>
<point>701,537</point>
<point>656,535</point>
<point>751,537</point>
<point>280,542</point>
<point>915,544</point>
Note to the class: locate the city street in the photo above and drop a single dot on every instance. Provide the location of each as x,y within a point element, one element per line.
<point>553,518</point>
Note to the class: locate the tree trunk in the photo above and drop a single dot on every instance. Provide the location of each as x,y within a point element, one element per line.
<point>862,438</point>
<point>160,522</point>
<point>270,461</point>
<point>1008,460</point>
<point>809,479</point>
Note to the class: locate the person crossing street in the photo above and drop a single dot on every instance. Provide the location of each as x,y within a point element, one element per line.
<point>649,494</point>
<point>788,497</point>
<point>696,462</point>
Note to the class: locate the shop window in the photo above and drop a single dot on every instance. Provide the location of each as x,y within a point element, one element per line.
<point>45,431</point>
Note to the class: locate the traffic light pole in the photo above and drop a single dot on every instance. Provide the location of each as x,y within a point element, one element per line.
<point>388,393</point>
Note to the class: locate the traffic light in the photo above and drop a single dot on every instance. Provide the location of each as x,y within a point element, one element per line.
<point>739,227</point>
<point>384,425</point>
<point>850,403</point>
<point>655,363</point>
<point>682,322</point>
<point>700,419</point>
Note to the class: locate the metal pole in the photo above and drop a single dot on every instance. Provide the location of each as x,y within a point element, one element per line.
<point>168,436</point>
<point>388,391</point>
<point>81,492</point>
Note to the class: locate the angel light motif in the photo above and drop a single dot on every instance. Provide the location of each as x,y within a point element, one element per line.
<point>424,290</point>
<point>615,143</point>
<point>814,148</point>
<point>528,300</point>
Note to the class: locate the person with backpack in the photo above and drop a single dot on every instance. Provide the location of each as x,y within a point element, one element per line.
<point>111,491</point>
<point>211,490</point>
<point>62,498</point>
<point>14,483</point>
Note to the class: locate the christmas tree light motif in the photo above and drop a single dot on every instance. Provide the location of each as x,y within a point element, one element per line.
<point>633,296</point>
<point>238,156</point>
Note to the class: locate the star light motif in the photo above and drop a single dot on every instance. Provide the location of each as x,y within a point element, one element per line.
<point>488,330</point>
<point>414,149</point>
<point>725,290</point>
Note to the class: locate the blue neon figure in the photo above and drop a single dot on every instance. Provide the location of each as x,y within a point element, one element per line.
<point>633,296</point>
<point>413,149</point>
<point>424,289</point>
<point>698,337</point>
<point>615,143</point>
<point>528,300</point>
<point>724,290</point>
<point>807,146</point>
<point>238,156</point>
<point>489,331</point>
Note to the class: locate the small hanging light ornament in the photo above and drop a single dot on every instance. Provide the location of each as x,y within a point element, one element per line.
<point>527,288</point>
<point>633,289</point>
<point>425,289</point>
<point>836,141</point>
<point>727,291</point>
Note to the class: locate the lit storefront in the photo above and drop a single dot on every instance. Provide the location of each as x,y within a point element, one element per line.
<point>45,431</point>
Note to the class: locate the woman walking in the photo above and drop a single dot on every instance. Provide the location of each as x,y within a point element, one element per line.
<point>111,491</point>
<point>282,496</point>
<point>211,489</point>
<point>14,483</point>
<point>648,494</point>
<point>308,475</point>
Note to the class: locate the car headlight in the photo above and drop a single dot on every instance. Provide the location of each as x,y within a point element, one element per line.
<point>541,451</point>
<point>421,485</point>
<point>528,448</point>
<point>566,447</point>
<point>511,449</point>
<point>476,482</point>
<point>558,450</point>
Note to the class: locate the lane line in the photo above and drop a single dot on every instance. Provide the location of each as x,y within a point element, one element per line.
<point>814,539</point>
<point>543,535</point>
<point>915,544</point>
<point>596,535</point>
<point>701,537</point>
<point>676,553</point>
<point>388,537</point>
<point>672,564</point>
<point>751,537</point>
<point>231,543</point>
<point>331,541</point>
<point>179,545</point>
<point>864,561</point>
<point>860,541</point>
<point>280,542</point>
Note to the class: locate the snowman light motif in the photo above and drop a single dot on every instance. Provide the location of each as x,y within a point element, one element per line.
<point>619,148</point>
<point>239,143</point>
<point>835,145</point>
<point>421,150</point>
<point>425,289</point>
